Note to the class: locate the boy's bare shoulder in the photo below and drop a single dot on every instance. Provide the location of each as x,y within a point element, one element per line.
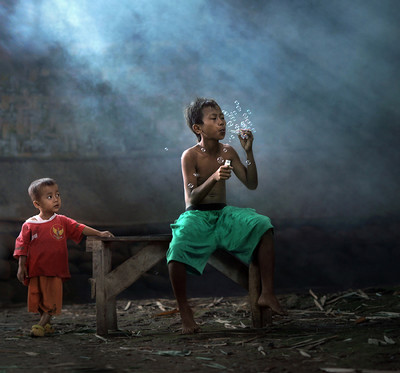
<point>228,146</point>
<point>229,149</point>
<point>191,152</point>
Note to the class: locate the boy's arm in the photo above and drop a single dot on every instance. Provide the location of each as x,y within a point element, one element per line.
<point>22,273</point>
<point>247,175</point>
<point>194,194</point>
<point>21,251</point>
<point>89,231</point>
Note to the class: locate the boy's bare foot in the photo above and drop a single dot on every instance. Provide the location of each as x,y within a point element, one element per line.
<point>189,326</point>
<point>270,300</point>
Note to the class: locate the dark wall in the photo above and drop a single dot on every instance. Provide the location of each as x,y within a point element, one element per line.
<point>107,81</point>
<point>91,93</point>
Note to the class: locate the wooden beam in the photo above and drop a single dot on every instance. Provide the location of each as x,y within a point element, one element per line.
<point>92,243</point>
<point>254,294</point>
<point>99,270</point>
<point>134,267</point>
<point>261,316</point>
<point>125,239</point>
<point>231,267</point>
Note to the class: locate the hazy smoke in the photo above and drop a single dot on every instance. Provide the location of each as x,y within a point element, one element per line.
<point>321,79</point>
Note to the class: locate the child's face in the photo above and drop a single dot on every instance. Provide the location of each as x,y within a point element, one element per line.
<point>214,124</point>
<point>50,200</point>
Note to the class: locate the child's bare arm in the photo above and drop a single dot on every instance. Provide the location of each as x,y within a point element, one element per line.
<point>247,175</point>
<point>22,273</point>
<point>89,231</point>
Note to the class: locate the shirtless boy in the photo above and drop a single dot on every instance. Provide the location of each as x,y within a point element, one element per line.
<point>208,223</point>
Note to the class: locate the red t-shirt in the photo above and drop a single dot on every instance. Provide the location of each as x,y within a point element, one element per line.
<point>45,245</point>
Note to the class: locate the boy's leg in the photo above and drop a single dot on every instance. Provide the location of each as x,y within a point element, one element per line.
<point>266,262</point>
<point>39,329</point>
<point>177,275</point>
<point>44,319</point>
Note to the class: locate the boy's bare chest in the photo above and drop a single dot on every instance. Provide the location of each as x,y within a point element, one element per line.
<point>206,165</point>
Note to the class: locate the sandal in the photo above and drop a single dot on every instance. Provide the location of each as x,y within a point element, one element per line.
<point>37,331</point>
<point>48,329</point>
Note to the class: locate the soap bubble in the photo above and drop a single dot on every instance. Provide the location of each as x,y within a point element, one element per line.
<point>238,118</point>
<point>224,150</point>
<point>166,149</point>
<point>248,162</point>
<point>203,150</point>
<point>190,185</point>
<point>196,174</point>
<point>220,160</point>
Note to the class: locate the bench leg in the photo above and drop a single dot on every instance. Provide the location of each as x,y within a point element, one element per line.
<point>112,323</point>
<point>261,316</point>
<point>106,314</point>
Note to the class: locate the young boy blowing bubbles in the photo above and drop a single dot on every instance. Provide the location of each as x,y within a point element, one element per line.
<point>41,250</point>
<point>208,223</point>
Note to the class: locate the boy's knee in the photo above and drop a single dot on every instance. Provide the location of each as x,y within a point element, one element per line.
<point>268,236</point>
<point>174,265</point>
<point>269,232</point>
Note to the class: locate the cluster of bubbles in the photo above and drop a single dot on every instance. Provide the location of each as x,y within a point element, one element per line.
<point>237,120</point>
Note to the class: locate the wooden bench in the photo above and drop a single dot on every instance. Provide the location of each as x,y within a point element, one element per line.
<point>107,283</point>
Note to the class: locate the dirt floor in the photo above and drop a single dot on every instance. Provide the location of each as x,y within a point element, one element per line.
<point>352,331</point>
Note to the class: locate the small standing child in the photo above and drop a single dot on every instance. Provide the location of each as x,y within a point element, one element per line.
<point>41,250</point>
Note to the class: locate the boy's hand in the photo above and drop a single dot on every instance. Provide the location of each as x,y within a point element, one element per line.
<point>246,139</point>
<point>22,273</point>
<point>106,234</point>
<point>223,173</point>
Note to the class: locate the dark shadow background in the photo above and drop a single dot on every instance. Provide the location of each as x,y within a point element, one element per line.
<point>92,94</point>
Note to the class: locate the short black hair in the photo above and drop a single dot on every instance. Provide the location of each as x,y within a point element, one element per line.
<point>36,186</point>
<point>194,112</point>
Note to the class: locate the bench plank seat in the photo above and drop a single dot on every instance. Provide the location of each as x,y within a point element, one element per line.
<point>107,283</point>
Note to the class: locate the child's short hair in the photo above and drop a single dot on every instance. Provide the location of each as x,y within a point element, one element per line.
<point>36,186</point>
<point>194,112</point>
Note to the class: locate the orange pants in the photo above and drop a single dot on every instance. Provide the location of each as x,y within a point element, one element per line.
<point>45,295</point>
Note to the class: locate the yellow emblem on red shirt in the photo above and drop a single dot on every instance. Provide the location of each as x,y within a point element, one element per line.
<point>57,231</point>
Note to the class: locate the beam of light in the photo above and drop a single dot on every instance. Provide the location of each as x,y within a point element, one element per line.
<point>319,77</point>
